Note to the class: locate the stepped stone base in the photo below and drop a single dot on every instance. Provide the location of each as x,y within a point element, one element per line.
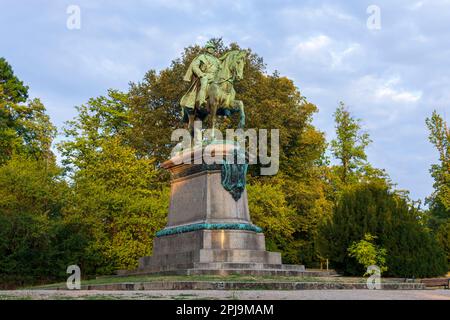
<point>214,252</point>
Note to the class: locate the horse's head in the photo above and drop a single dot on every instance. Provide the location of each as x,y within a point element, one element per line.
<point>235,62</point>
<point>239,64</point>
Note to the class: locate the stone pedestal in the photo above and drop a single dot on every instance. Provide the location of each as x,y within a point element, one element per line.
<point>209,230</point>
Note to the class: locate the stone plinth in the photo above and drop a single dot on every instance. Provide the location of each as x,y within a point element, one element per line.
<point>209,230</point>
<point>200,198</point>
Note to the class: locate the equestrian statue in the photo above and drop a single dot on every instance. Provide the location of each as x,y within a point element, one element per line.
<point>211,92</point>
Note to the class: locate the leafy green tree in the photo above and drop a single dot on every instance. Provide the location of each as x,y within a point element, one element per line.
<point>439,201</point>
<point>8,133</point>
<point>443,238</point>
<point>349,145</point>
<point>36,242</point>
<point>368,254</point>
<point>24,128</point>
<point>101,118</point>
<point>271,212</point>
<point>38,131</point>
<point>115,190</point>
<point>31,186</point>
<point>349,148</point>
<point>372,208</point>
<point>13,89</point>
<point>114,193</point>
<point>439,136</point>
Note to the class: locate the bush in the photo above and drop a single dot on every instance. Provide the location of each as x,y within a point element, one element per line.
<point>371,208</point>
<point>368,254</point>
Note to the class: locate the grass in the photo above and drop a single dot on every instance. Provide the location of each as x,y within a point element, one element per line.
<point>214,278</point>
<point>14,297</point>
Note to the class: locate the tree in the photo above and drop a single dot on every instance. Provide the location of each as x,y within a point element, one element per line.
<point>98,120</point>
<point>271,212</point>
<point>371,208</point>
<point>114,190</point>
<point>368,254</point>
<point>14,90</point>
<point>349,148</point>
<point>24,128</point>
<point>439,136</point>
<point>443,238</point>
<point>36,242</point>
<point>116,194</point>
<point>439,201</point>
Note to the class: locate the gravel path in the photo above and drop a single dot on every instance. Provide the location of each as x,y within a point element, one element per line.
<point>224,295</point>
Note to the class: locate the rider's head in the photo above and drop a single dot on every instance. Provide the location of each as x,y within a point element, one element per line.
<point>210,47</point>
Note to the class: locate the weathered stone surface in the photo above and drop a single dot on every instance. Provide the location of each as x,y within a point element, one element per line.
<point>209,239</point>
<point>211,247</point>
<point>200,198</point>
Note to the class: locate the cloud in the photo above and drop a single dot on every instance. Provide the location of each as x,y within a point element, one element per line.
<point>312,45</point>
<point>388,89</point>
<point>300,14</point>
<point>339,57</point>
<point>398,96</point>
<point>322,51</point>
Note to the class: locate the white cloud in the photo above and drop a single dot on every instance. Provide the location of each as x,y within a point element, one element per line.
<point>324,52</point>
<point>313,44</point>
<point>398,96</point>
<point>385,89</point>
<point>389,90</point>
<point>338,57</point>
<point>324,12</point>
<point>384,102</point>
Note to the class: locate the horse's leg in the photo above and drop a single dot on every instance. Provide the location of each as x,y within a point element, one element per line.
<point>191,124</point>
<point>213,115</point>
<point>213,103</point>
<point>238,104</point>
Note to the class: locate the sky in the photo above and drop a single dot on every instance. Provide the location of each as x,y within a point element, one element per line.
<point>391,69</point>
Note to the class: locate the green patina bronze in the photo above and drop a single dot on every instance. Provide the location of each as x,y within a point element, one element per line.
<point>208,226</point>
<point>211,91</point>
<point>233,175</point>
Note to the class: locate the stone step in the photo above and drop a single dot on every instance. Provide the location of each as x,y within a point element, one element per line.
<point>286,272</point>
<point>239,256</point>
<point>266,285</point>
<point>253,266</point>
<point>260,272</point>
<point>248,258</point>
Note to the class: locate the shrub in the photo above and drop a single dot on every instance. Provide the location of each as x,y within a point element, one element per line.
<point>411,249</point>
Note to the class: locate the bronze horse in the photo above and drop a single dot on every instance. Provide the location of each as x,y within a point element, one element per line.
<point>221,94</point>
